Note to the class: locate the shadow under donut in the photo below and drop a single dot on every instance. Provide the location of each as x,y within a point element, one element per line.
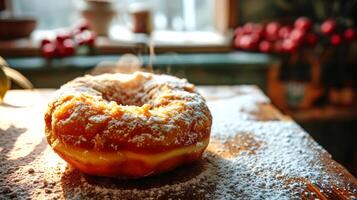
<point>195,181</point>
<point>213,177</point>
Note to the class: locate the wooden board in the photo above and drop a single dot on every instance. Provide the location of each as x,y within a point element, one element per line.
<point>255,153</point>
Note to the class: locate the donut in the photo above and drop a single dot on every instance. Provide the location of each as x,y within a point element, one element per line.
<point>128,125</point>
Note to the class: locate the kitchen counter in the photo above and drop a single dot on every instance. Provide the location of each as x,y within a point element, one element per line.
<point>255,152</point>
<point>226,68</point>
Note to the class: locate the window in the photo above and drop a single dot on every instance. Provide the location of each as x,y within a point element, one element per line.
<point>50,14</point>
<point>178,15</point>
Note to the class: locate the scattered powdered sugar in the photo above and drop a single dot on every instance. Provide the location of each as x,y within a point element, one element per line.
<point>98,118</point>
<point>265,174</point>
<point>246,159</point>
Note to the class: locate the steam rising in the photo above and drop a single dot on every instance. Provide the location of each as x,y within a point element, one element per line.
<point>127,64</point>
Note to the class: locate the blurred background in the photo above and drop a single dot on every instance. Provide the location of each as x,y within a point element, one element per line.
<point>301,53</point>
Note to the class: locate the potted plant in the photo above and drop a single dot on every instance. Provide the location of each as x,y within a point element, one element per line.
<point>99,14</point>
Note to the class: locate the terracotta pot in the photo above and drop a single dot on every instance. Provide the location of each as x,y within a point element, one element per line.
<point>16,27</point>
<point>99,14</point>
<point>141,16</point>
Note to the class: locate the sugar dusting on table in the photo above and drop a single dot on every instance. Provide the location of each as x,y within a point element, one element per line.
<point>285,154</point>
<point>263,174</point>
<point>246,159</point>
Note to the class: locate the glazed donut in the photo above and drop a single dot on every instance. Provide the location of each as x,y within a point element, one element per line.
<point>128,125</point>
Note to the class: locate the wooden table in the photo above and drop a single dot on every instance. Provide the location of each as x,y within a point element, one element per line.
<point>255,153</point>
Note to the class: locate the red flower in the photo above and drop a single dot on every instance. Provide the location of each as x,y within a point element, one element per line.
<point>336,39</point>
<point>45,41</point>
<point>289,46</point>
<point>265,46</point>
<point>48,50</point>
<point>303,23</point>
<point>247,42</point>
<point>297,35</point>
<point>311,39</point>
<point>238,31</point>
<point>349,34</point>
<point>69,47</point>
<point>328,27</point>
<point>271,31</point>
<point>284,32</point>
<point>61,36</point>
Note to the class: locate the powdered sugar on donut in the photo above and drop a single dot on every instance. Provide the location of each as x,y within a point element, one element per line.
<point>146,111</point>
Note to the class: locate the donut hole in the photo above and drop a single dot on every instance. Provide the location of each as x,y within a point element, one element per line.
<point>136,89</point>
<point>124,99</point>
<point>121,97</point>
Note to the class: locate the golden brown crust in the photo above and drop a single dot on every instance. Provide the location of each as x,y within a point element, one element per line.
<point>140,113</point>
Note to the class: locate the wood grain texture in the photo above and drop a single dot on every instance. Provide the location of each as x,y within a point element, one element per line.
<point>255,153</point>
